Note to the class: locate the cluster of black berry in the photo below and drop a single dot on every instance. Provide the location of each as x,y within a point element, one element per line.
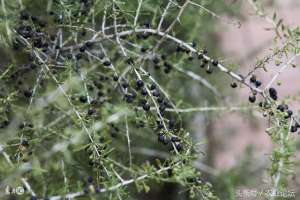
<point>206,63</point>
<point>168,141</point>
<point>90,186</point>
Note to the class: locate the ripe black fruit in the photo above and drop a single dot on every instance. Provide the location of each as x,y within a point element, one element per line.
<point>78,56</point>
<point>115,77</point>
<point>146,107</point>
<point>27,93</point>
<point>175,139</point>
<point>139,83</point>
<point>83,99</point>
<point>289,113</point>
<point>89,44</point>
<point>253,79</point>
<point>82,49</point>
<point>33,198</point>
<point>168,65</point>
<point>144,92</point>
<point>90,179</point>
<point>155,60</point>
<point>129,98</point>
<point>91,111</point>
<point>147,24</point>
<point>156,93</point>
<point>281,107</point>
<point>273,93</point>
<point>101,55</point>
<point>209,70</point>
<point>215,62</point>
<point>160,99</point>
<point>161,137</point>
<point>233,85</point>
<point>167,70</point>
<point>153,86</point>
<point>257,83</point>
<point>24,15</point>
<point>178,146</point>
<point>252,98</point>
<point>200,56</point>
<point>125,85</point>
<point>194,44</point>
<point>107,63</point>
<point>130,61</point>
<point>144,49</point>
<point>25,143</point>
<point>294,129</point>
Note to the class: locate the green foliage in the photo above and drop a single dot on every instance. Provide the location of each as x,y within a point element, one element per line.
<point>93,91</point>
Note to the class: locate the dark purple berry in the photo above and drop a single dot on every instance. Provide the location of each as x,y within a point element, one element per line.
<point>289,113</point>
<point>91,111</point>
<point>178,146</point>
<point>257,83</point>
<point>86,190</point>
<point>294,129</point>
<point>155,60</point>
<point>24,15</point>
<point>144,49</point>
<point>209,70</point>
<point>156,93</point>
<point>200,56</point>
<point>160,99</point>
<point>83,99</point>
<point>139,83</point>
<point>144,92</point>
<point>78,56</point>
<point>25,143</point>
<point>273,93</point>
<point>253,79</point>
<point>115,77</point>
<point>153,86</point>
<point>90,179</point>
<point>146,107</point>
<point>27,93</point>
<point>281,107</point>
<point>107,63</point>
<point>161,137</point>
<point>202,65</point>
<point>89,44</point>
<point>130,61</point>
<point>129,98</point>
<point>82,49</point>
<point>215,62</point>
<point>233,85</point>
<point>175,139</point>
<point>252,98</point>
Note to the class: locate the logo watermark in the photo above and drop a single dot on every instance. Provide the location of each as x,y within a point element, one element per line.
<point>244,193</point>
<point>14,190</point>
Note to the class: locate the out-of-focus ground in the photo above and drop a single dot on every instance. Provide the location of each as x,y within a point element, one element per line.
<point>243,46</point>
